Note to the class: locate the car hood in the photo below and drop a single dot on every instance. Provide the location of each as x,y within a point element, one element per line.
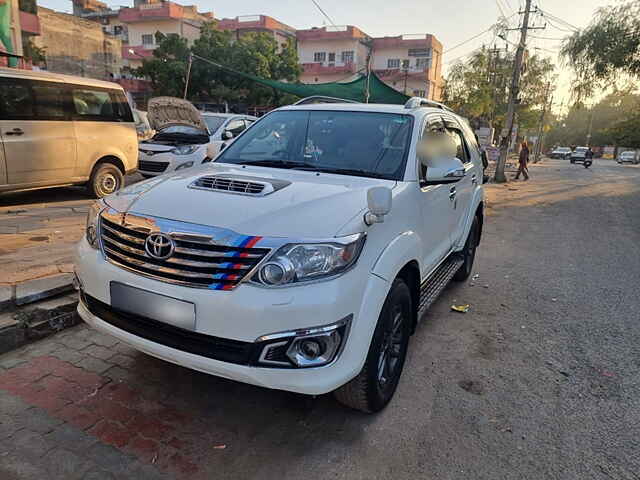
<point>304,204</point>
<point>163,112</point>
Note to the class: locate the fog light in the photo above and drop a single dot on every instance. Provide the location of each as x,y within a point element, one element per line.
<point>316,350</point>
<point>311,348</point>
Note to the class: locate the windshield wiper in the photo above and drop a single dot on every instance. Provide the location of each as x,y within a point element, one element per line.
<point>350,171</point>
<point>277,164</point>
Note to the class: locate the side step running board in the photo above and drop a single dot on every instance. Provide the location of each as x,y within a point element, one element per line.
<point>433,286</point>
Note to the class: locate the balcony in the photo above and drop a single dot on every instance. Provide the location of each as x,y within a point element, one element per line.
<point>29,23</point>
<point>325,69</point>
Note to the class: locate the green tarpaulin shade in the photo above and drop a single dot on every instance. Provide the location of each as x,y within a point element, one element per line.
<point>379,92</point>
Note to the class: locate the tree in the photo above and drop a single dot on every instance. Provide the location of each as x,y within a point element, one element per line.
<point>478,88</point>
<point>255,53</point>
<point>607,50</point>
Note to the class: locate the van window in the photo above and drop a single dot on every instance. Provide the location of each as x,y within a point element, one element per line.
<point>98,105</point>
<point>49,100</point>
<point>16,101</point>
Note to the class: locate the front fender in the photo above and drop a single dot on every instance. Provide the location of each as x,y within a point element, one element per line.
<point>403,249</point>
<point>476,200</point>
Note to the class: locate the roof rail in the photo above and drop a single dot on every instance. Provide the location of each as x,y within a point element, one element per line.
<point>322,99</point>
<point>417,102</point>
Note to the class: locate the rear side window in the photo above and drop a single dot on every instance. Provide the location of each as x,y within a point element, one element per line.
<point>95,104</point>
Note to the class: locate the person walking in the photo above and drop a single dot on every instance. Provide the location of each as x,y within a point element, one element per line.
<point>523,161</point>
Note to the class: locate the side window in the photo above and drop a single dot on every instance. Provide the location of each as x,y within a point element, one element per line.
<point>248,122</point>
<point>462,153</point>
<point>50,101</point>
<point>236,127</point>
<point>436,142</point>
<point>94,104</point>
<point>16,100</point>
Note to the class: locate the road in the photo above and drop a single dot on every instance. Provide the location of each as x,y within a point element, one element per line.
<point>539,380</point>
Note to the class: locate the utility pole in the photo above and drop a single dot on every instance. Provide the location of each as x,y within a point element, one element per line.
<point>590,128</point>
<point>541,123</point>
<point>186,81</point>
<point>513,95</point>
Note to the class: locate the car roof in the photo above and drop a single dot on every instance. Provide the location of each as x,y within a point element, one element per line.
<point>364,107</point>
<point>56,77</point>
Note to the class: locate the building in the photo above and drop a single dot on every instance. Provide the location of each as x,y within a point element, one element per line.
<point>146,18</point>
<point>19,26</point>
<point>75,46</point>
<point>330,54</point>
<point>258,24</point>
<point>411,64</point>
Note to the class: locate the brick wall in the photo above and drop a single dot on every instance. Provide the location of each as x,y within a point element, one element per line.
<point>75,46</point>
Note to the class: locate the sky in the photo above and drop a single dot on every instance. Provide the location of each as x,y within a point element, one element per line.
<point>451,21</point>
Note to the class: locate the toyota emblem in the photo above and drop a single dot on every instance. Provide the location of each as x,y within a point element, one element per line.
<point>159,246</point>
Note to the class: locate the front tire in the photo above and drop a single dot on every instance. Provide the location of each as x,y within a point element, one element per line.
<point>372,389</point>
<point>469,252</point>
<point>105,179</point>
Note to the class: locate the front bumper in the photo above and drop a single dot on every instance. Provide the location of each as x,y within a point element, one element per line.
<point>239,317</point>
<point>169,161</point>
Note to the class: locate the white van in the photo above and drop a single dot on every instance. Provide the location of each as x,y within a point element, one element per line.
<point>59,130</point>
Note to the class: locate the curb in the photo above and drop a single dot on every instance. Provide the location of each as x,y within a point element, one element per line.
<point>33,322</point>
<point>34,290</point>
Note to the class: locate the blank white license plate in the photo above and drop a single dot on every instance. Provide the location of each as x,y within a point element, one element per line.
<point>153,305</point>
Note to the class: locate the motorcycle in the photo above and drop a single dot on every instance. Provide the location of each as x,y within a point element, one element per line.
<point>587,163</point>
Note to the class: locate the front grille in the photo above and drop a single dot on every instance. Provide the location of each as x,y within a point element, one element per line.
<point>156,167</point>
<point>223,349</point>
<point>193,263</point>
<point>216,182</point>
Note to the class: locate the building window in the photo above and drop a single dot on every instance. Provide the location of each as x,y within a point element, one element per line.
<point>319,56</point>
<point>332,57</point>
<point>405,64</point>
<point>419,93</point>
<point>147,39</point>
<point>347,57</point>
<point>117,30</point>
<point>422,63</point>
<point>393,63</point>
<point>418,52</point>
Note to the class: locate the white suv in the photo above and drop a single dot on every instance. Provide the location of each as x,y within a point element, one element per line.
<point>302,258</point>
<point>185,137</point>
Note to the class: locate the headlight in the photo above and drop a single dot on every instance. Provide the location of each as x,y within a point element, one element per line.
<point>184,165</point>
<point>185,149</point>
<point>301,262</point>
<point>91,229</point>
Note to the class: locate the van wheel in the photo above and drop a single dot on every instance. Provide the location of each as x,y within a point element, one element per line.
<point>105,179</point>
<point>372,389</point>
<point>468,253</point>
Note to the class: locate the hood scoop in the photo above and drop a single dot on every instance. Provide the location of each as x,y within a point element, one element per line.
<point>240,184</point>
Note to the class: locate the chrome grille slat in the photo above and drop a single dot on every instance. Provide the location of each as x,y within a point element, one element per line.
<point>196,260</point>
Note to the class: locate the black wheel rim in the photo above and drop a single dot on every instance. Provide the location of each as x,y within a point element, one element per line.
<point>390,351</point>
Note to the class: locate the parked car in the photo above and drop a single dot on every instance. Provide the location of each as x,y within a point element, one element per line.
<point>560,152</point>
<point>578,154</point>
<point>628,156</point>
<point>184,136</point>
<point>59,130</point>
<point>302,258</point>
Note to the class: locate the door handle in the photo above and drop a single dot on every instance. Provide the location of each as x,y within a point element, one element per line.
<point>452,193</point>
<point>15,131</point>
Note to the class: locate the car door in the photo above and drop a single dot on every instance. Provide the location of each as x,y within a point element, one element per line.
<point>468,153</point>
<point>436,206</point>
<point>38,137</point>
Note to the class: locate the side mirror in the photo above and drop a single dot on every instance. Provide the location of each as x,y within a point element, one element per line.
<point>444,170</point>
<point>379,201</point>
<point>227,135</point>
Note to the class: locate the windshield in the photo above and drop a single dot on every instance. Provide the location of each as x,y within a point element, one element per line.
<point>352,143</point>
<point>581,149</point>
<point>563,149</point>
<point>214,123</point>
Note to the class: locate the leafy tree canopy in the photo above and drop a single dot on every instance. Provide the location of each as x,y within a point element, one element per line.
<point>607,50</point>
<point>255,53</point>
